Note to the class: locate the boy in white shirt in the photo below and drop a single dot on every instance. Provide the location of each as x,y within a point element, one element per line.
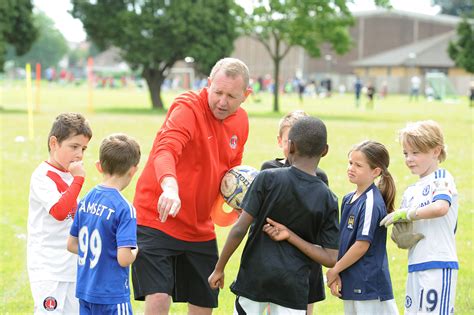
<point>432,204</point>
<point>54,189</point>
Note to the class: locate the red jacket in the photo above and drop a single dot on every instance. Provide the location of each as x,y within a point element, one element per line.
<point>203,148</point>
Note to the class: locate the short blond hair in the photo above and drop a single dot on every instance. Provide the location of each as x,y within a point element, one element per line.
<point>290,119</point>
<point>233,68</point>
<point>424,135</point>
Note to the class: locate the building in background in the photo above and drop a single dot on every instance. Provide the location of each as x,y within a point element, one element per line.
<point>418,41</point>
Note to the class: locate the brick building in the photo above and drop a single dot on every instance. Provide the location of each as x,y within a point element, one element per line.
<point>374,33</point>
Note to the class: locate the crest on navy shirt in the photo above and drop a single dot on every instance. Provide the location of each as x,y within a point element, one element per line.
<point>233,142</point>
<point>426,190</point>
<point>350,222</point>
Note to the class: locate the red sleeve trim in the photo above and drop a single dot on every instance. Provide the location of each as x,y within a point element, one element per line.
<point>67,204</point>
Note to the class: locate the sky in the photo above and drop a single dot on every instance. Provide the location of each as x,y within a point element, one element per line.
<point>72,29</point>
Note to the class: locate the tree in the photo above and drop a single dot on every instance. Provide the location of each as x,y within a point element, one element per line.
<point>456,7</point>
<point>281,25</point>
<point>461,51</point>
<point>16,27</point>
<point>153,34</point>
<point>50,46</point>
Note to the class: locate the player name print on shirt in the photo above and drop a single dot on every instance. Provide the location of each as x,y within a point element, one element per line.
<point>96,209</point>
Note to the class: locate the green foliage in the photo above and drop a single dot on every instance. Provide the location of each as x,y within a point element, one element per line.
<point>154,34</point>
<point>456,7</point>
<point>16,27</point>
<point>300,23</point>
<point>48,49</point>
<point>461,50</point>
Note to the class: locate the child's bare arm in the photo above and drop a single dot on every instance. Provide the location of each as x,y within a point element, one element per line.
<point>279,232</point>
<point>126,256</point>
<point>435,209</point>
<point>235,237</point>
<point>72,244</point>
<point>355,252</point>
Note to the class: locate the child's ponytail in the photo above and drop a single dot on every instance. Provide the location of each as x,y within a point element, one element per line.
<point>387,188</point>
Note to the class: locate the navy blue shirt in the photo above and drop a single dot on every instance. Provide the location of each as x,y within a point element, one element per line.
<point>278,272</point>
<point>369,277</point>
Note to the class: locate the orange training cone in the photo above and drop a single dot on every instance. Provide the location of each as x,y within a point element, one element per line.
<point>221,217</point>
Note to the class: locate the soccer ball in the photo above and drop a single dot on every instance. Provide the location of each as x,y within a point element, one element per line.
<point>235,183</point>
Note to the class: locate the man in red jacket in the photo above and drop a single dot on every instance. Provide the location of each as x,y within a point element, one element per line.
<point>202,137</point>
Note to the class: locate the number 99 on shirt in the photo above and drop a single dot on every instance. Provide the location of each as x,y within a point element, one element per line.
<point>89,245</point>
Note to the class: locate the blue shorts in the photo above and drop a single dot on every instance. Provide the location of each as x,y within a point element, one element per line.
<point>86,308</point>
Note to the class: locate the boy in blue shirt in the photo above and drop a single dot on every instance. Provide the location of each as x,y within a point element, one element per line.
<point>104,232</point>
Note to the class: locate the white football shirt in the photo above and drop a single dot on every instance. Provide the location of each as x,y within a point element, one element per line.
<point>47,255</point>
<point>438,248</point>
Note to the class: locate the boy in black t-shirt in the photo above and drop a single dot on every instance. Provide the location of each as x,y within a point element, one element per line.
<point>316,280</point>
<point>276,274</point>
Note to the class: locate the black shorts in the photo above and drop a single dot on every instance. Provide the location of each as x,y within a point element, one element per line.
<point>316,284</point>
<point>178,268</point>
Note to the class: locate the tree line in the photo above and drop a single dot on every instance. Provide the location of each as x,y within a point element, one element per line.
<point>153,35</point>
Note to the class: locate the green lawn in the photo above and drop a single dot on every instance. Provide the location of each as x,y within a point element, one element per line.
<point>128,110</point>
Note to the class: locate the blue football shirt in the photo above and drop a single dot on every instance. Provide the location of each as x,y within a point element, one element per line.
<point>369,277</point>
<point>104,222</point>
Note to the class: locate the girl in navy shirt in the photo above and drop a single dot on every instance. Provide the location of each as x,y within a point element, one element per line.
<point>361,275</point>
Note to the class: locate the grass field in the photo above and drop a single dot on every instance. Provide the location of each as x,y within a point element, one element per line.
<point>128,111</point>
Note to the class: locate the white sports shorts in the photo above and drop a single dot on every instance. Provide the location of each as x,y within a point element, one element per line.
<point>246,306</point>
<point>431,291</point>
<point>370,307</point>
<point>54,298</point>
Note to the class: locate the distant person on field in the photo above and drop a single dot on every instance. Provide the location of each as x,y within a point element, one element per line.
<point>49,74</point>
<point>384,90</point>
<point>358,85</point>
<point>415,87</point>
<point>301,89</point>
<point>431,204</point>
<point>256,89</point>
<point>104,232</point>
<point>54,189</point>
<point>361,275</point>
<point>272,274</point>
<point>429,93</point>
<point>316,282</point>
<point>471,94</point>
<point>370,96</point>
<point>202,137</point>
<point>329,87</point>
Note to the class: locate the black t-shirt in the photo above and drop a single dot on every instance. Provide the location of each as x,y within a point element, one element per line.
<point>316,280</point>
<point>277,163</point>
<point>278,272</point>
